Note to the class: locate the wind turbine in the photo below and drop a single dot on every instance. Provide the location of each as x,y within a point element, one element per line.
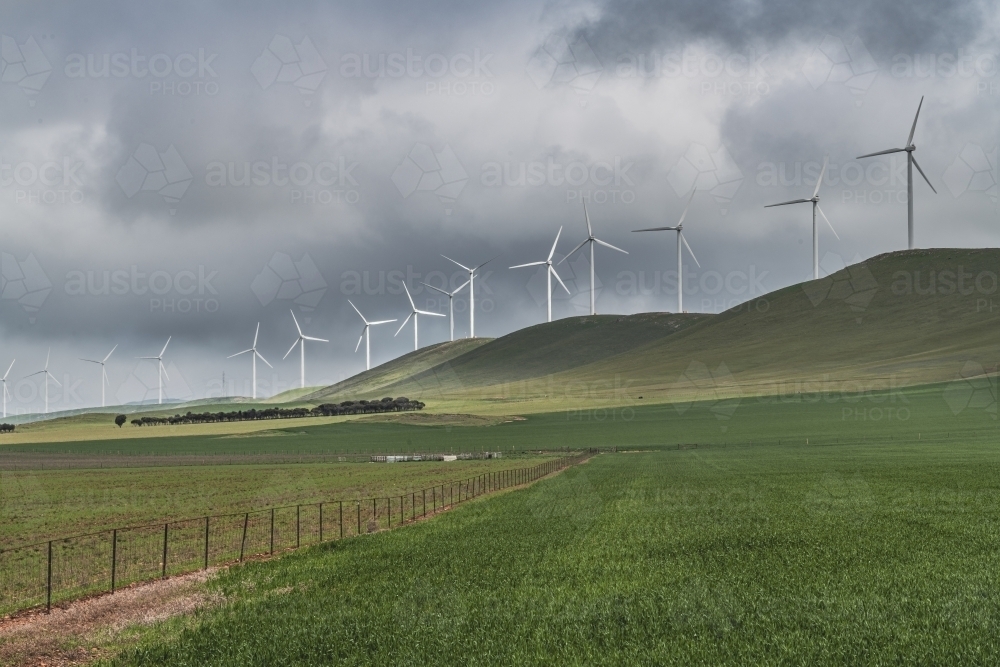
<point>680,239</point>
<point>254,357</point>
<point>414,314</point>
<point>104,373</point>
<point>451,304</point>
<point>366,334</point>
<point>5,392</point>
<point>46,373</point>
<point>911,162</point>
<point>815,202</point>
<point>591,239</point>
<point>301,342</point>
<point>549,272</point>
<point>472,291</point>
<point>160,370</point>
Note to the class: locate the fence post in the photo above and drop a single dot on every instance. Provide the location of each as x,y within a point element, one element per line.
<point>114,556</point>
<point>243,542</point>
<point>413,506</point>
<point>375,513</point>
<point>433,499</point>
<point>388,507</point>
<point>206,542</point>
<point>321,522</point>
<point>341,519</point>
<point>48,583</point>
<point>272,531</point>
<point>359,517</point>
<point>165,527</point>
<point>298,523</point>
<point>423,503</point>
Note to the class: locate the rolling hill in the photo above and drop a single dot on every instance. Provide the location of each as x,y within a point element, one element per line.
<point>898,319</point>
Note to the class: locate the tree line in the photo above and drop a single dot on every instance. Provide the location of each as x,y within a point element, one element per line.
<point>388,404</point>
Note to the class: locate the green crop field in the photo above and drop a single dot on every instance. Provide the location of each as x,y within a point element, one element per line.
<point>42,504</point>
<point>842,554</point>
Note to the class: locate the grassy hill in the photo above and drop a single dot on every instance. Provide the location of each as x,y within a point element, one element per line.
<point>372,382</point>
<point>898,319</point>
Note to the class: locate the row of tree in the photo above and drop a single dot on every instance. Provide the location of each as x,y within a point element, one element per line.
<point>6,428</point>
<point>387,404</point>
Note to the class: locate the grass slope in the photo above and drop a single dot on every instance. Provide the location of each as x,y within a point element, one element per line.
<point>372,382</point>
<point>845,555</point>
<point>878,323</point>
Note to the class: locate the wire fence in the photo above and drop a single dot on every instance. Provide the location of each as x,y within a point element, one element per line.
<point>59,570</point>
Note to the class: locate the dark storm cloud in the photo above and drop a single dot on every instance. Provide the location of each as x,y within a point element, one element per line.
<point>886,26</point>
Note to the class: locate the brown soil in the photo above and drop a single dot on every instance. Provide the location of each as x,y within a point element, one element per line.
<point>83,631</point>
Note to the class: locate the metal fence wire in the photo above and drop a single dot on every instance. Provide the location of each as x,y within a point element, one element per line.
<point>59,570</point>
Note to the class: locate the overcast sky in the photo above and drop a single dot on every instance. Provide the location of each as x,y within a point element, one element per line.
<point>188,170</point>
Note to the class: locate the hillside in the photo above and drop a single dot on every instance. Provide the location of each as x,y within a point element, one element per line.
<point>876,324</point>
<point>391,373</point>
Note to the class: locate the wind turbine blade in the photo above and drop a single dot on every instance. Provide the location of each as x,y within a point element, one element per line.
<point>90,360</point>
<point>485,263</point>
<point>437,289</point>
<point>402,325</point>
<point>357,311</point>
<point>656,229</point>
<point>685,241</point>
<point>8,369</point>
<point>165,345</point>
<point>573,250</point>
<point>460,287</point>
<point>426,312</point>
<point>909,140</point>
<point>261,357</point>
<point>147,357</point>
<point>165,374</point>
<point>521,266</point>
<point>318,340</point>
<point>885,152</point>
<point>686,207</point>
<point>297,340</point>
<point>58,383</point>
<point>104,372</point>
<point>407,290</point>
<point>380,322</point>
<point>828,223</point>
<point>33,374</point>
<point>461,265</point>
<point>360,338</point>
<point>110,353</point>
<point>255,336</point>
<point>917,165</point>
<point>608,245</point>
<point>553,270</point>
<point>785,203</point>
<point>822,172</point>
<point>239,353</point>
<point>294,319</point>
<point>47,354</point>
<point>554,244</point>
<point>590,231</point>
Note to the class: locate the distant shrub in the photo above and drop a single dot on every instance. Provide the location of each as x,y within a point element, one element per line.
<point>324,410</point>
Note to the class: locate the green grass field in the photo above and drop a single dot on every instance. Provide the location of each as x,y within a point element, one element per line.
<point>44,504</point>
<point>842,554</point>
